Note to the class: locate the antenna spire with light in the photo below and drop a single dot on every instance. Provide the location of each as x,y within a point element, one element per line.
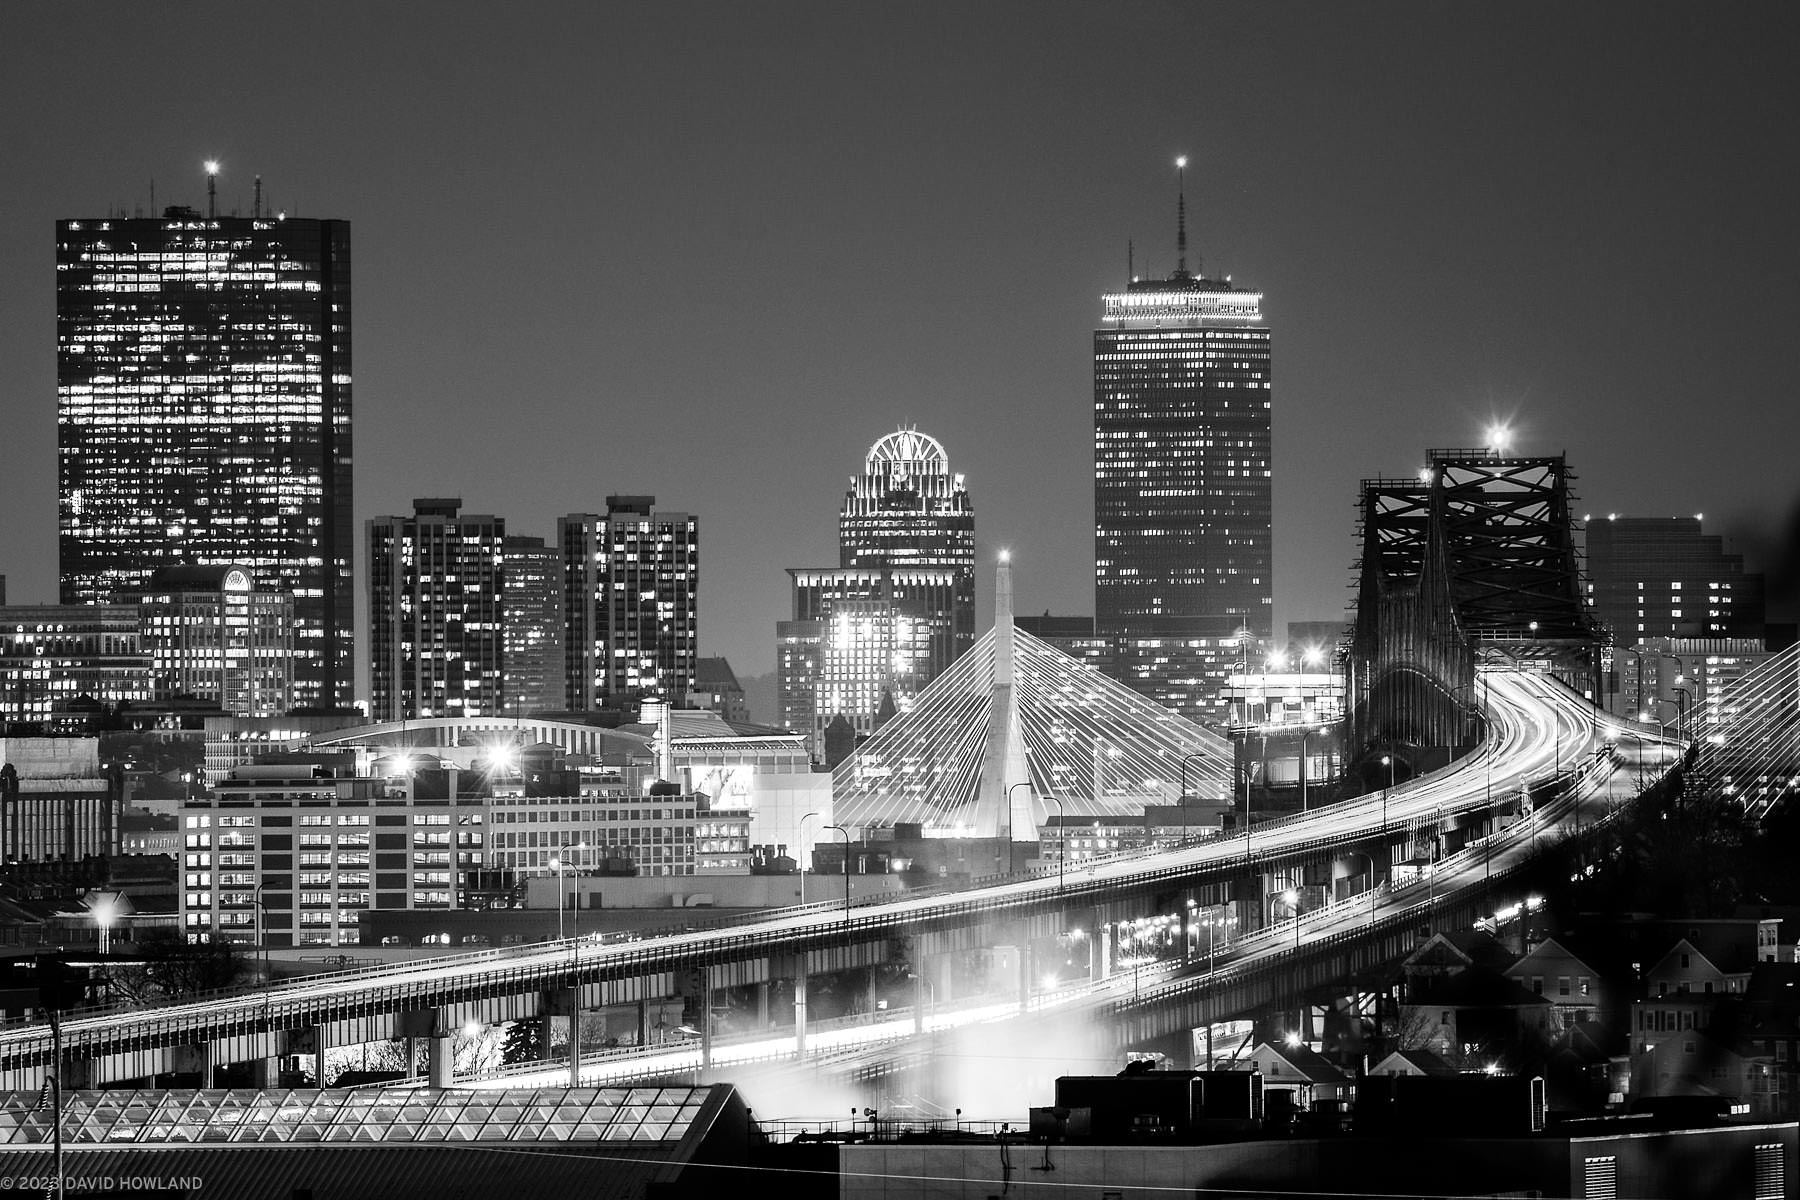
<point>256,205</point>
<point>1181,215</point>
<point>1130,262</point>
<point>212,179</point>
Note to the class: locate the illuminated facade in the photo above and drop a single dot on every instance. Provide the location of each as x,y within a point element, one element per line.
<point>908,510</point>
<point>50,654</point>
<point>435,627</point>
<point>533,615</point>
<point>203,398</point>
<point>1182,483</point>
<point>900,606</point>
<point>631,583</point>
<point>212,634</point>
<point>293,856</point>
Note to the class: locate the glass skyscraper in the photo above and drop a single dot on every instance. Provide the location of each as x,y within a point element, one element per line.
<point>900,606</point>
<point>203,415</point>
<point>1182,515</point>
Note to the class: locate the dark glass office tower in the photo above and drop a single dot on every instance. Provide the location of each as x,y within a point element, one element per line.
<point>1182,515</point>
<point>203,412</point>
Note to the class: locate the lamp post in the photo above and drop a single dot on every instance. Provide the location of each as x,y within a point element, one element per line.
<point>574,957</point>
<point>1011,788</point>
<point>846,834</point>
<point>1681,711</point>
<point>1062,843</point>
<point>1387,760</point>
<point>557,864</point>
<point>805,848</point>
<point>1185,760</point>
<point>262,933</point>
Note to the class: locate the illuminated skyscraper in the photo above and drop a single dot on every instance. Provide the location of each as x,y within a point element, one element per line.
<point>900,606</point>
<point>534,626</point>
<point>203,405</point>
<point>631,583</point>
<point>1182,513</point>
<point>435,627</point>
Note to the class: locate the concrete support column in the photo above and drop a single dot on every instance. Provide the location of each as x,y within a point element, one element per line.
<point>195,1059</point>
<point>943,978</point>
<point>1187,932</point>
<point>918,998</point>
<point>762,1005</point>
<point>321,1042</point>
<point>440,1060</point>
<point>706,1019</point>
<point>545,1053</point>
<point>574,1036</point>
<point>412,1055</point>
<point>265,1073</point>
<point>1100,957</point>
<point>800,1013</point>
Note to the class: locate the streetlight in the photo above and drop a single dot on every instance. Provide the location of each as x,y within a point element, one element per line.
<point>846,834</point>
<point>1387,760</point>
<point>557,865</point>
<point>805,849</point>
<point>1681,710</point>
<point>1304,734</point>
<point>1185,760</point>
<point>574,959</point>
<point>1009,821</point>
<point>262,934</point>
<point>1062,843</point>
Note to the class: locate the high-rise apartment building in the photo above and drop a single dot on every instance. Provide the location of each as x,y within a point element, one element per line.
<point>436,580</point>
<point>203,409</point>
<point>1182,482</point>
<point>900,605</point>
<point>631,585</point>
<point>1653,579</point>
<point>533,608</point>
<point>212,634</point>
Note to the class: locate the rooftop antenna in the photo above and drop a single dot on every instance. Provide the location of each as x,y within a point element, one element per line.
<point>256,205</point>
<point>1181,215</point>
<point>212,179</point>
<point>1130,257</point>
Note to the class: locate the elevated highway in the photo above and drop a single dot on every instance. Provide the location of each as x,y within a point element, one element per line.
<point>1537,731</point>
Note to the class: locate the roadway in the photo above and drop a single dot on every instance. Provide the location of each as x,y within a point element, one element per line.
<point>1534,725</point>
<point>875,1044</point>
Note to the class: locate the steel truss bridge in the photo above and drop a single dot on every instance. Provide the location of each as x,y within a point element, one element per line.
<point>1538,735</point>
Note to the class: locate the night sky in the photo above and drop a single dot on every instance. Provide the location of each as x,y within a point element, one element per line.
<point>713,251</point>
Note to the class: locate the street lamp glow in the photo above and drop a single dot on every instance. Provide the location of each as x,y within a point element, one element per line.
<point>212,166</point>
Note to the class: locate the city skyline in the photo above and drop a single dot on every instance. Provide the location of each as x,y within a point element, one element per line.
<point>1457,216</point>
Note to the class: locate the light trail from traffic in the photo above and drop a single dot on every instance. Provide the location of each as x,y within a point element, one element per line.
<point>1534,725</point>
